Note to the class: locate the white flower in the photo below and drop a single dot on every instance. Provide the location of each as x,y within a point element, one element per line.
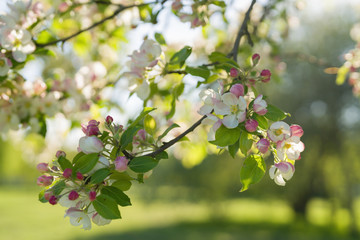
<point>18,41</point>
<point>281,171</point>
<point>90,145</point>
<point>290,148</point>
<point>279,131</point>
<point>210,98</point>
<point>78,217</point>
<point>260,105</point>
<point>99,220</point>
<point>215,122</point>
<point>233,107</point>
<point>5,65</point>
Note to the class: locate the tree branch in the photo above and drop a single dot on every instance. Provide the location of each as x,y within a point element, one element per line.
<point>117,11</point>
<point>175,140</point>
<point>242,31</point>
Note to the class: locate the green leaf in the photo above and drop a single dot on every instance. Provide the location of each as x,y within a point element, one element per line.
<point>245,142</point>
<point>225,136</point>
<point>263,123</point>
<point>145,111</point>
<point>123,185</point>
<point>274,113</point>
<point>106,206</point>
<point>162,155</point>
<point>41,196</point>
<point>174,125</point>
<point>142,164</point>
<point>341,75</point>
<point>64,163</point>
<point>58,187</point>
<point>160,38</point>
<point>127,136</point>
<point>222,58</point>
<point>99,175</point>
<point>86,162</point>
<point>219,3</point>
<point>180,56</point>
<point>120,176</point>
<point>178,90</point>
<point>104,135</point>
<point>45,37</point>
<point>198,71</point>
<point>78,156</point>
<point>149,124</point>
<point>121,198</point>
<point>233,149</point>
<point>252,171</point>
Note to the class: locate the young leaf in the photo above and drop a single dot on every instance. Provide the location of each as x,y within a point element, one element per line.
<point>174,125</point>
<point>225,136</point>
<point>42,197</point>
<point>160,38</point>
<point>142,164</point>
<point>149,124</point>
<point>86,162</point>
<point>233,149</point>
<point>106,206</point>
<point>99,175</point>
<point>274,113</point>
<point>245,142</point>
<point>263,123</point>
<point>128,135</point>
<point>198,71</point>
<point>121,198</point>
<point>78,156</point>
<point>64,163</point>
<point>120,176</point>
<point>123,185</point>
<point>252,171</point>
<point>223,59</point>
<point>180,56</point>
<point>162,155</point>
<point>58,187</point>
<point>341,75</point>
<point>146,111</point>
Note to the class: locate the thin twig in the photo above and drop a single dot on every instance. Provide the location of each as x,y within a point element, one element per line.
<point>175,140</point>
<point>242,31</point>
<point>117,11</point>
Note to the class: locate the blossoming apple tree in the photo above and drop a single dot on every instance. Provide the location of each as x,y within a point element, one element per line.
<point>112,156</point>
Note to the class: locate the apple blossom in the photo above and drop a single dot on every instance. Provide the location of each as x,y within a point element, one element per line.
<point>281,171</point>
<point>53,200</point>
<point>42,167</point>
<point>260,105</point>
<point>121,164</point>
<point>251,125</point>
<point>210,98</point>
<point>265,74</point>
<point>78,217</point>
<point>90,145</point>
<point>215,122</point>
<point>279,131</point>
<point>60,154</point>
<point>296,130</point>
<point>237,90</point>
<point>45,180</point>
<point>233,107</point>
<point>5,65</point>
<point>290,148</point>
<point>263,145</point>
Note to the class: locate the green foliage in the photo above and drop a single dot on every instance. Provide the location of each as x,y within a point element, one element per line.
<point>64,163</point>
<point>142,164</point>
<point>99,175</point>
<point>198,71</point>
<point>225,136</point>
<point>160,38</point>
<point>246,142</point>
<point>233,149</point>
<point>180,57</point>
<point>274,113</point>
<point>86,163</point>
<point>106,206</point>
<point>252,171</point>
<point>174,125</point>
<point>119,196</point>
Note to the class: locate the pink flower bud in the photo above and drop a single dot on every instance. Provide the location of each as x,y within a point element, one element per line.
<point>251,125</point>
<point>121,164</point>
<point>296,130</point>
<point>47,195</point>
<point>141,134</point>
<point>109,120</point>
<point>263,145</point>
<point>53,200</point>
<point>93,122</point>
<point>67,173</point>
<point>92,195</point>
<point>44,180</point>
<point>234,72</point>
<point>92,130</point>
<point>60,154</point>
<point>42,167</point>
<point>265,74</point>
<point>237,90</point>
<point>73,195</point>
<point>255,59</point>
<point>79,176</point>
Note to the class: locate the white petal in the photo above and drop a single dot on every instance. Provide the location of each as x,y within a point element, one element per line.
<point>206,109</point>
<point>272,172</point>
<point>230,121</point>
<point>19,56</point>
<point>221,108</point>
<point>230,99</point>
<point>279,180</point>
<point>143,91</point>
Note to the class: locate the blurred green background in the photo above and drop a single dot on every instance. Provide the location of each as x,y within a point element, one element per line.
<point>320,202</point>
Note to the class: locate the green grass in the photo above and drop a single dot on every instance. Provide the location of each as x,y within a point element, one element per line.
<point>23,217</point>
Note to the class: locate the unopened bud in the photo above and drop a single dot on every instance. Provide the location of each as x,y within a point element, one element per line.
<point>53,200</point>
<point>60,154</point>
<point>255,59</point>
<point>265,74</point>
<point>234,72</point>
<point>42,167</point>
<point>109,120</point>
<point>251,125</point>
<point>73,195</point>
<point>67,172</point>
<point>92,195</point>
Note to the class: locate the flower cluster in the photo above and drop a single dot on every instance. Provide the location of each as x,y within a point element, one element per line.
<point>15,37</point>
<point>247,117</point>
<point>141,65</point>
<point>92,185</point>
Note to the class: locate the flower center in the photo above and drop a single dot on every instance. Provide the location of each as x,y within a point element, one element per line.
<point>2,63</point>
<point>234,109</point>
<point>79,219</point>
<point>278,132</point>
<point>287,145</point>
